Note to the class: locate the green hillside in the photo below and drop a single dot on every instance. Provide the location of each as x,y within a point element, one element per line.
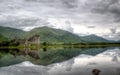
<point>54,35</point>
<point>11,33</point>
<point>2,38</point>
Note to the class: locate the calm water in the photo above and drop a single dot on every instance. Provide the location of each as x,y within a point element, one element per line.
<point>105,59</point>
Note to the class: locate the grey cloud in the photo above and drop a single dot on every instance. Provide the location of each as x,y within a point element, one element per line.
<point>113,30</point>
<point>110,36</point>
<point>111,7</point>
<point>115,59</point>
<point>68,27</point>
<point>91,26</point>
<point>69,65</point>
<point>103,6</point>
<point>70,3</point>
<point>87,12</point>
<point>22,23</point>
<point>92,63</point>
<point>56,3</point>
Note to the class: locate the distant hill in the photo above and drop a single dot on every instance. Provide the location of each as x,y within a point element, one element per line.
<point>49,35</point>
<point>94,38</point>
<point>11,33</point>
<point>117,41</point>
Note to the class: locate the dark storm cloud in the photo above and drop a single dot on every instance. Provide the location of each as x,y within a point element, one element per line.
<point>108,7</point>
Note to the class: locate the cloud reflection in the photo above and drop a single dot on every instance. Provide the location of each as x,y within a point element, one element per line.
<point>108,62</point>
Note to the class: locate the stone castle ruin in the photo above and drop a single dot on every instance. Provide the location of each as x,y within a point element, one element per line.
<point>32,42</point>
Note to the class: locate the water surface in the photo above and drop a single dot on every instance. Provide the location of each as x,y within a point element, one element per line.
<point>107,60</point>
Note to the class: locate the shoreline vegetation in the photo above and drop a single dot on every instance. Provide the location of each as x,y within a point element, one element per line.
<point>15,48</point>
<point>64,45</point>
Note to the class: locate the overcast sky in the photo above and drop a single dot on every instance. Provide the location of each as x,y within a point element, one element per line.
<point>100,17</point>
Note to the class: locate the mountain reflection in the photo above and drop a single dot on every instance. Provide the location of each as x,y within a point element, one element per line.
<point>43,56</point>
<point>108,62</point>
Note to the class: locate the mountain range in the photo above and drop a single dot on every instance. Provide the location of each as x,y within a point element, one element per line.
<point>48,34</point>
